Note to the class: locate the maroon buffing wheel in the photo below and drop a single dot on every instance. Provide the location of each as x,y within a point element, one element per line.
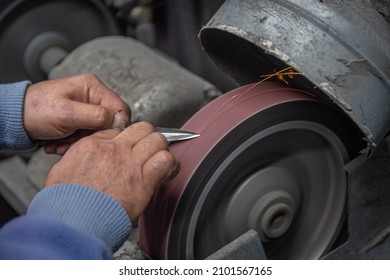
<point>268,158</point>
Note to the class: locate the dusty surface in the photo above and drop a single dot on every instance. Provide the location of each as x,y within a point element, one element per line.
<point>369,208</point>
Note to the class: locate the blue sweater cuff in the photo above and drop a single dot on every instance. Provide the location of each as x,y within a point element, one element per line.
<point>85,209</point>
<point>34,237</point>
<point>13,134</point>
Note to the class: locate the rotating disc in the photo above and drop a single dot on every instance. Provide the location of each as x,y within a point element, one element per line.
<point>269,158</point>
<point>35,35</point>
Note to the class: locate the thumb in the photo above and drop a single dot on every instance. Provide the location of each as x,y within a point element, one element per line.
<point>96,117</point>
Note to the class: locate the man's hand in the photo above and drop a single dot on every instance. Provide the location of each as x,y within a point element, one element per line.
<point>57,108</point>
<point>126,165</point>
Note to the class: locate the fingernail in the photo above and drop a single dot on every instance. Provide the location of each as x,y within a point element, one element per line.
<point>174,171</point>
<point>62,149</point>
<point>50,148</point>
<point>119,121</point>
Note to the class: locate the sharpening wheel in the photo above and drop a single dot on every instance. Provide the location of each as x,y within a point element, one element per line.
<point>269,158</point>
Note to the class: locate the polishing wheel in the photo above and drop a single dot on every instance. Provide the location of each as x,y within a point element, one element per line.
<point>269,158</point>
<point>36,35</point>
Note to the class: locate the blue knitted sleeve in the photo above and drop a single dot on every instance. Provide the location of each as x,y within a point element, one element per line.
<point>66,221</point>
<point>35,237</point>
<point>12,133</point>
<point>86,209</point>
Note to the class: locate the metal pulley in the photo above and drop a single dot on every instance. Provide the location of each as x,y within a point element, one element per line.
<point>341,47</point>
<point>36,35</point>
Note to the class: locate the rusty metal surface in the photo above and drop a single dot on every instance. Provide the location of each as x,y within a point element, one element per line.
<point>156,88</point>
<point>342,47</point>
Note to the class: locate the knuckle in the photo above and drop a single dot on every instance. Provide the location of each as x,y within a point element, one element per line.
<point>166,158</point>
<point>65,113</point>
<point>102,116</point>
<point>88,81</point>
<point>97,145</point>
<point>161,139</point>
<point>90,77</point>
<point>106,134</point>
<point>145,126</point>
<point>87,143</point>
<point>108,147</point>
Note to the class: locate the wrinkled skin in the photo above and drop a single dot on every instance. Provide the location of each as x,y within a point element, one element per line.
<point>57,108</point>
<point>126,163</point>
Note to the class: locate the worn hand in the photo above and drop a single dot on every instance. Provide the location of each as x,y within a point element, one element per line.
<point>126,165</point>
<point>55,109</point>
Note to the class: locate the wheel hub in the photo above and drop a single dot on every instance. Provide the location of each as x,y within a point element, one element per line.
<point>43,52</point>
<point>272,204</point>
<point>36,35</point>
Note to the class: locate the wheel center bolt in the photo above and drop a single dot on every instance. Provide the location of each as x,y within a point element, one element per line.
<point>276,220</point>
<point>43,52</point>
<point>272,215</point>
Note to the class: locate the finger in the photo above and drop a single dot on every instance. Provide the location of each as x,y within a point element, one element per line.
<point>135,133</point>
<point>58,149</point>
<point>113,102</point>
<point>120,121</point>
<point>50,148</point>
<point>74,137</point>
<point>160,167</point>
<point>144,149</point>
<point>99,94</point>
<point>62,149</point>
<point>106,134</point>
<point>93,117</point>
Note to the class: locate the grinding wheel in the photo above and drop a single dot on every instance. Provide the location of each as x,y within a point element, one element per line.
<point>36,35</point>
<point>269,158</point>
